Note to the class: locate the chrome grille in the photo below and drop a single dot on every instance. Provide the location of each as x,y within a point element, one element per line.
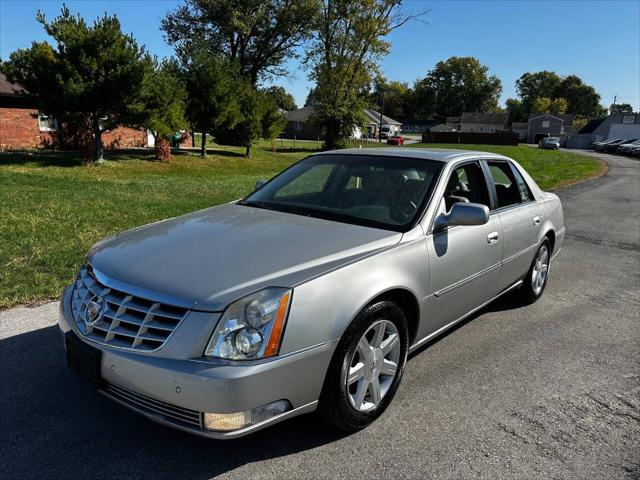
<point>123,320</point>
<point>169,412</point>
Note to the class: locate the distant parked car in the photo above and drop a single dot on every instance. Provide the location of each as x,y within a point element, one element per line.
<point>550,143</point>
<point>396,140</point>
<point>598,146</point>
<point>613,146</point>
<point>627,148</point>
<point>635,152</point>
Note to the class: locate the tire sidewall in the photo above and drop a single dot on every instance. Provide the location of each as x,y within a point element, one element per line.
<point>529,288</point>
<point>350,418</point>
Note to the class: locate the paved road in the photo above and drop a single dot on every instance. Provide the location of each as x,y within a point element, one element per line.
<point>547,391</point>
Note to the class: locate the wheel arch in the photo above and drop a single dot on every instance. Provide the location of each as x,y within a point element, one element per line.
<point>406,300</point>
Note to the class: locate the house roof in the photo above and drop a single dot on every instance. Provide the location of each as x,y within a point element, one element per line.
<point>519,125</point>
<point>452,120</point>
<point>371,116</point>
<point>591,125</point>
<point>300,115</point>
<point>442,128</point>
<point>8,88</point>
<point>484,118</point>
<point>567,119</point>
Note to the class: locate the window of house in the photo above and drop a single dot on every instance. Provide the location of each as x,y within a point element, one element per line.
<point>47,124</point>
<point>297,126</point>
<point>629,119</point>
<point>545,124</point>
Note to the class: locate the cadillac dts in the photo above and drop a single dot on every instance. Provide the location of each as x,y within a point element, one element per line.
<point>309,293</point>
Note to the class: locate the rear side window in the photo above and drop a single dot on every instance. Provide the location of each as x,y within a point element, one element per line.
<point>525,191</point>
<point>506,186</point>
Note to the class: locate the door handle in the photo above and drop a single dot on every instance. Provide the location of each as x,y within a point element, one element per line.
<point>536,220</point>
<point>493,237</point>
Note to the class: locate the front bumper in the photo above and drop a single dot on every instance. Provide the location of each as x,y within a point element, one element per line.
<point>200,385</point>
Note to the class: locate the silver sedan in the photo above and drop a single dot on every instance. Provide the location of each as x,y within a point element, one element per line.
<point>309,293</point>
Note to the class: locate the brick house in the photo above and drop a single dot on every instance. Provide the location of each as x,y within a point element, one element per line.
<point>23,127</point>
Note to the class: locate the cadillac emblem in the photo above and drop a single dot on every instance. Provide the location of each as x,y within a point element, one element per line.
<point>93,312</point>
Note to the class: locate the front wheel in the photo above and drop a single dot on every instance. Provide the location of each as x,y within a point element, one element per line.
<point>536,279</point>
<point>366,368</point>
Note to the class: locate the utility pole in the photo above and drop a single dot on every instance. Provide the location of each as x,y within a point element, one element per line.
<point>381,110</point>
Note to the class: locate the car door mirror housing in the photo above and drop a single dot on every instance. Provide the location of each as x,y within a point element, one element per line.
<point>261,182</point>
<point>463,214</point>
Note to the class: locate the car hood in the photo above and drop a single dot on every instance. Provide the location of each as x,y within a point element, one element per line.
<point>207,259</point>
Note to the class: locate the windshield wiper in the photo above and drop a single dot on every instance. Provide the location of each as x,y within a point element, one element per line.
<point>253,203</point>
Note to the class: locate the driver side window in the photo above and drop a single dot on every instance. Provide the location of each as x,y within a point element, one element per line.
<point>467,185</point>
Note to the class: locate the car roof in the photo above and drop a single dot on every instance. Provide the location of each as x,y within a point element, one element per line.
<point>435,154</point>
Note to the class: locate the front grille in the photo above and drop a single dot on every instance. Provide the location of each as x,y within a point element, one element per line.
<point>171,413</point>
<point>119,319</point>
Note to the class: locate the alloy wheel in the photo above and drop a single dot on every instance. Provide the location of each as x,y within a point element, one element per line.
<point>373,365</point>
<point>540,270</point>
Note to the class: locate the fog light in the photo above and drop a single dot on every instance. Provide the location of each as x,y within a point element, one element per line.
<point>227,422</point>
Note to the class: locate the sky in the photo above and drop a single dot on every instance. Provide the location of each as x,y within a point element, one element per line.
<point>597,40</point>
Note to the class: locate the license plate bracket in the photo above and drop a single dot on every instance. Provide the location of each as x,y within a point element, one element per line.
<point>84,359</point>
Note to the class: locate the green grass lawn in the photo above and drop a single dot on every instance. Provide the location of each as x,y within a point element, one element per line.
<point>53,208</point>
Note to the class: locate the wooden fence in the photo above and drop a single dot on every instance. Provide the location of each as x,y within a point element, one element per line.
<point>504,137</point>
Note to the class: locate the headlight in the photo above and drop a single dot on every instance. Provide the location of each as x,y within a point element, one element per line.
<point>251,327</point>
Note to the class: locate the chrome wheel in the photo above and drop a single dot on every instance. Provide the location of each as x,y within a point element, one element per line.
<point>373,365</point>
<point>540,270</point>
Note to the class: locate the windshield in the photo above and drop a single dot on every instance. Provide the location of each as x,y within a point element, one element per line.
<point>378,191</point>
<point>385,128</point>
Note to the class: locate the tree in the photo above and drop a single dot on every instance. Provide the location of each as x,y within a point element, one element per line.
<point>395,96</point>
<point>462,84</point>
<point>94,73</point>
<point>212,86</point>
<point>616,108</point>
<point>281,98</point>
<point>516,110</point>
<point>165,99</point>
<point>531,86</point>
<point>347,45</point>
<point>273,121</point>
<point>257,35</point>
<point>311,97</point>
<point>421,101</point>
<point>556,106</point>
<point>249,126</point>
<point>582,99</point>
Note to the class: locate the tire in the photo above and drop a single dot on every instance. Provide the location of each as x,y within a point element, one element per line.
<point>534,282</point>
<point>345,406</point>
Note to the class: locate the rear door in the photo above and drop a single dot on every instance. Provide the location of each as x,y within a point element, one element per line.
<point>464,259</point>
<point>520,216</point>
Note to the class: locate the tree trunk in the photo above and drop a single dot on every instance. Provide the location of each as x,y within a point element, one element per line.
<point>193,139</point>
<point>248,150</point>
<point>331,138</point>
<point>203,143</point>
<point>98,153</point>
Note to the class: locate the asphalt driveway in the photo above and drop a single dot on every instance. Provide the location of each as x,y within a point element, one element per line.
<point>547,391</point>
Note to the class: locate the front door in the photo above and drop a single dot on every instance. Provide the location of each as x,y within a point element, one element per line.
<point>464,260</point>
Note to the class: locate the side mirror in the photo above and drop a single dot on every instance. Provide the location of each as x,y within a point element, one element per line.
<point>260,183</point>
<point>463,214</point>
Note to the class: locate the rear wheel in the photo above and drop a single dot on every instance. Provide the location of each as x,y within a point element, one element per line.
<point>366,368</point>
<point>536,279</point>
